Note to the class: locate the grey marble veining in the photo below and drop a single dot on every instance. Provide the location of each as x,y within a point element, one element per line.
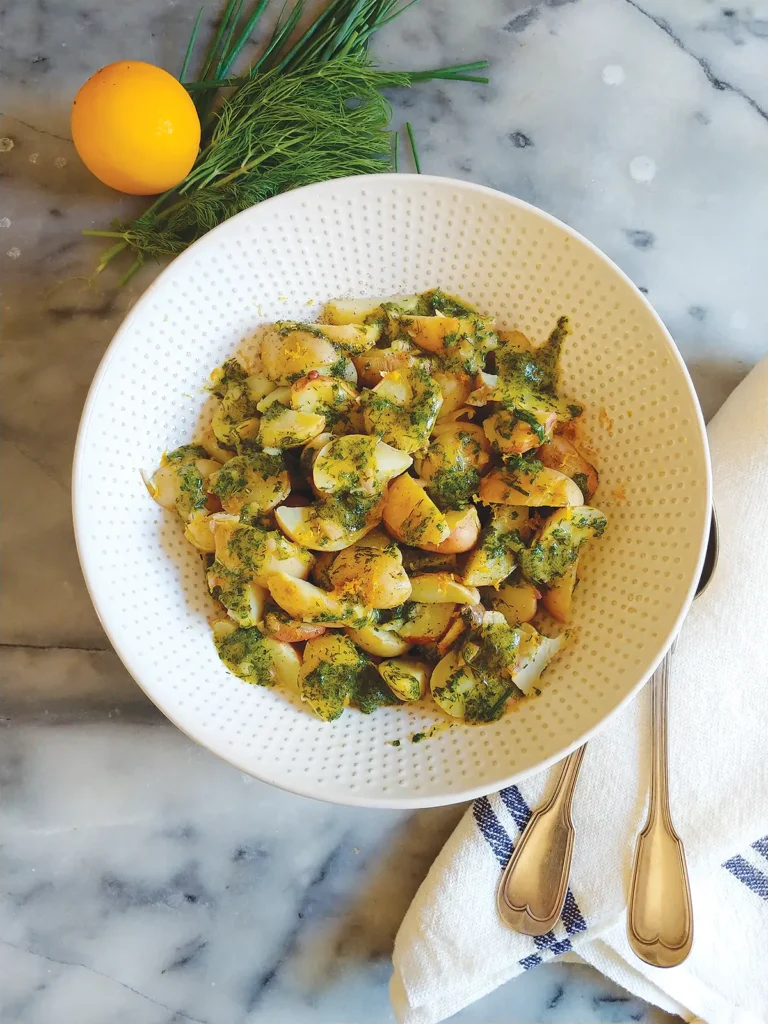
<point>141,880</point>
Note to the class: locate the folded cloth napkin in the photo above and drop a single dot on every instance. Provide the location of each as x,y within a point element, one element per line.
<point>452,947</point>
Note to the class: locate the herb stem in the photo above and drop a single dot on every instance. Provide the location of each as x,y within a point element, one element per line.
<point>190,46</point>
<point>102,234</point>
<point>415,151</point>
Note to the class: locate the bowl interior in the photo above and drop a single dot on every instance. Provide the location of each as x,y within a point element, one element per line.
<point>377,236</point>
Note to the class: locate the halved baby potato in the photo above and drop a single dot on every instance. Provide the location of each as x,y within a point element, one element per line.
<point>304,526</point>
<point>439,334</point>
<point>334,399</point>
<point>558,599</point>
<point>289,429</point>
<point>256,658</point>
<point>371,575</point>
<point>199,533</point>
<point>464,529</point>
<point>242,548</point>
<point>352,338</point>
<point>455,389</point>
<point>411,516</point>
<point>180,484</point>
<point>372,366</point>
<point>558,542</point>
<point>383,643</point>
<point>543,487</point>
<point>561,455</point>
<point>308,603</point>
<point>406,677</point>
<point>429,624</point>
<point>357,462</point>
<point>254,480</point>
<point>290,350</point>
<point>440,588</point>
<point>329,674</point>
<point>517,601</point>
<point>494,558</point>
<point>511,434</point>
<point>537,653</point>
<point>403,407</point>
<point>281,626</point>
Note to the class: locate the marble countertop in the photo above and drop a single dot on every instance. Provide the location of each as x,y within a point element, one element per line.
<point>141,879</point>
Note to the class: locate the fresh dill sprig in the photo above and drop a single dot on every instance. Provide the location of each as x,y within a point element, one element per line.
<point>308,109</point>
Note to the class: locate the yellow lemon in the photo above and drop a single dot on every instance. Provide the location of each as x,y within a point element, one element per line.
<point>136,128</point>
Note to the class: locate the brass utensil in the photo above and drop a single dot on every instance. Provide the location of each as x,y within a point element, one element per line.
<point>659,914</point>
<point>534,883</point>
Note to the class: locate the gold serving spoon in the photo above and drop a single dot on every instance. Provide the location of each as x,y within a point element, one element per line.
<point>534,884</point>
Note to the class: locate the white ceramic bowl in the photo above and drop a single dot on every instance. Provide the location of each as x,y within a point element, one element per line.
<point>368,236</point>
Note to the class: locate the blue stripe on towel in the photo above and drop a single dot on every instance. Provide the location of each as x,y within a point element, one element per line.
<point>761,845</point>
<point>516,806</point>
<point>530,961</point>
<point>492,830</point>
<point>749,876</point>
<point>499,841</point>
<point>572,917</point>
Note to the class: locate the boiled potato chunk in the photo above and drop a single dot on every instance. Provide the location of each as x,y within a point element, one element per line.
<point>455,389</point>
<point>403,407</point>
<point>439,334</point>
<point>509,433</point>
<point>329,397</point>
<point>329,675</point>
<point>357,311</point>
<point>199,533</point>
<point>352,311</point>
<point>451,466</point>
<point>516,601</point>
<point>411,516</point>
<point>557,544</point>
<point>373,576</point>
<point>256,553</point>
<point>494,558</point>
<point>442,587</point>
<point>354,339</point>
<point>307,527</point>
<point>256,658</point>
<point>383,643</point>
<point>464,527</point>
<point>357,462</point>
<point>289,428</point>
<point>451,683</point>
<point>244,603</point>
<point>181,482</point>
<point>537,652</point>
<point>429,623</point>
<point>537,487</point>
<point>559,598</point>
<point>280,395</point>
<point>560,454</point>
<point>406,677</point>
<point>281,626</point>
<point>290,351</point>
<point>256,481</point>
<point>372,366</point>
<point>308,603</point>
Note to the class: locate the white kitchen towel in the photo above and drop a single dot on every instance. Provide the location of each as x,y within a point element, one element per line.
<point>452,947</point>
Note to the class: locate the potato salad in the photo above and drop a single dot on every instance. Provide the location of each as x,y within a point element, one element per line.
<point>391,505</point>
